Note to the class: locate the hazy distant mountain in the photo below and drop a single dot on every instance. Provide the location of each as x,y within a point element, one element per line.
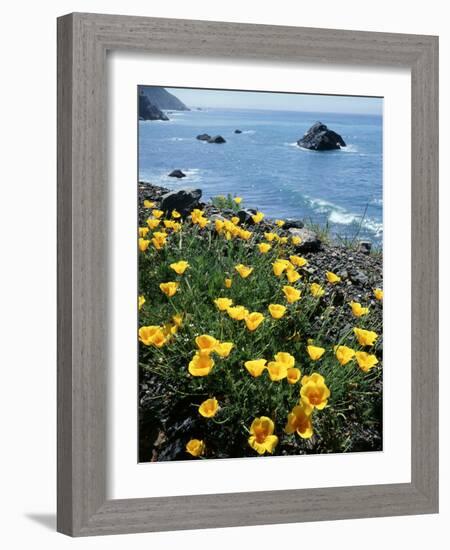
<point>149,111</point>
<point>162,99</point>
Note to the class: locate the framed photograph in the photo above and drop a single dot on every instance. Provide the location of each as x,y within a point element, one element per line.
<point>247,274</point>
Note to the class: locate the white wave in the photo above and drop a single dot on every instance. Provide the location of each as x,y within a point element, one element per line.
<point>350,148</point>
<point>343,218</point>
<point>292,144</point>
<point>249,131</point>
<point>339,215</point>
<point>178,139</point>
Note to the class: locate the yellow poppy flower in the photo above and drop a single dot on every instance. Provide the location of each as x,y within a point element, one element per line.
<point>223,349</point>
<point>228,283</point>
<point>280,223</point>
<point>238,313</point>
<point>235,220</point>
<point>143,231</point>
<point>206,343</point>
<point>299,420</point>
<point>262,439</point>
<point>264,247</point>
<point>202,222</point>
<point>344,354</point>
<point>255,367</point>
<point>169,289</point>
<point>179,267</point>
<point>283,240</point>
<point>358,310</point>
<point>141,301</point>
<point>244,234</point>
<point>143,244</point>
<point>258,217</point>
<point>365,360</point>
<point>169,224</point>
<point>292,275</point>
<point>176,226</point>
<point>201,364</point>
<point>365,337</point>
<point>195,447</point>
<point>176,214</point>
<point>223,303</point>
<point>293,375</point>
<point>285,358</point>
<point>237,200</point>
<point>277,310</point>
<point>279,266</point>
<point>153,223</point>
<point>315,352</point>
<point>332,278</point>
<point>152,336</point>
<point>209,408</point>
<point>253,320</point>
<point>277,370</point>
<point>157,213</point>
<point>316,290</point>
<point>219,224</point>
<point>178,319</point>
<point>296,240</point>
<point>149,204</point>
<point>270,236</point>
<point>291,293</point>
<point>378,293</point>
<point>243,270</point>
<point>314,391</point>
<point>159,239</point>
<point>298,261</point>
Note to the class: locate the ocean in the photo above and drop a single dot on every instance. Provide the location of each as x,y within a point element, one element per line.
<point>265,166</point>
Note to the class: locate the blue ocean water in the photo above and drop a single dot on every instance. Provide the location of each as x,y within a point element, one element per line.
<point>265,166</point>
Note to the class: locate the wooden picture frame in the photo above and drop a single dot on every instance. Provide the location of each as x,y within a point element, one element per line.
<point>83,42</point>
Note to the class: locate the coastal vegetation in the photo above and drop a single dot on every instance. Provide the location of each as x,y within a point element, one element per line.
<point>256,337</point>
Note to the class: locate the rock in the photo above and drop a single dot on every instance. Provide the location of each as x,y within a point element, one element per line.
<point>148,111</point>
<point>292,224</point>
<point>177,174</point>
<point>365,247</point>
<point>359,278</point>
<point>183,200</point>
<point>216,139</point>
<point>320,138</point>
<point>163,99</point>
<point>204,137</point>
<point>310,242</point>
<point>245,216</point>
<point>238,131</point>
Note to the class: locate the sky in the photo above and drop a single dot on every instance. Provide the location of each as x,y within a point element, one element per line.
<point>278,101</point>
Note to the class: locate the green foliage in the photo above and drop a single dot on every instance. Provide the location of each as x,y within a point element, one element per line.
<point>169,407</point>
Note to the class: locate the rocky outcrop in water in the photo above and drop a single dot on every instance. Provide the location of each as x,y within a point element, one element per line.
<point>204,137</point>
<point>148,111</point>
<point>177,174</point>
<point>320,138</point>
<point>163,99</point>
<point>216,139</point>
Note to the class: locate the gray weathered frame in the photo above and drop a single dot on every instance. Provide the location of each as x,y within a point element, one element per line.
<point>83,41</point>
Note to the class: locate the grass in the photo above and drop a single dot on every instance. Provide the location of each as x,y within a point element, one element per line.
<point>351,419</point>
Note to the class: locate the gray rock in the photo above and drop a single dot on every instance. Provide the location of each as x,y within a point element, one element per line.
<point>310,241</point>
<point>365,247</point>
<point>359,278</point>
<point>183,200</point>
<point>320,138</point>
<point>245,216</point>
<point>293,224</point>
<point>204,137</point>
<point>216,139</point>
<point>238,131</point>
<point>177,174</point>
